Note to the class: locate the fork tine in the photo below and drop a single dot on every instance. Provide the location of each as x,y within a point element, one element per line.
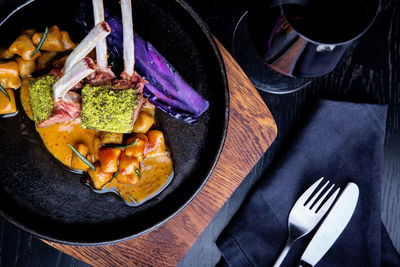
<point>314,198</point>
<point>328,203</point>
<point>316,206</point>
<point>303,198</point>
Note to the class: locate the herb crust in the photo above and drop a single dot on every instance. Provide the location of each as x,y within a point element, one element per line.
<point>41,96</point>
<point>105,109</point>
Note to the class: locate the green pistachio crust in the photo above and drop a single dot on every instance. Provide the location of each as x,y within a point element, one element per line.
<point>41,95</point>
<point>105,109</point>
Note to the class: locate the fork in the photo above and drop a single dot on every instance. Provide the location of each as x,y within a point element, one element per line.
<point>306,214</point>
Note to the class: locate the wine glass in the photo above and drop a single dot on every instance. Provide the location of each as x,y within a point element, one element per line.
<point>282,45</point>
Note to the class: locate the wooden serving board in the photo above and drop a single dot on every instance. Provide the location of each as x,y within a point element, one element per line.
<point>251,130</point>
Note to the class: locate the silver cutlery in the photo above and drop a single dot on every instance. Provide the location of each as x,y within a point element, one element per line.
<point>332,226</point>
<point>306,214</point>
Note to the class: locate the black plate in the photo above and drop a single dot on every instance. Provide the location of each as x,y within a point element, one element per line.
<point>42,197</point>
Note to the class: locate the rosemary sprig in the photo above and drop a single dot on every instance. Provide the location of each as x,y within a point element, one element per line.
<point>115,174</point>
<point>46,31</point>
<point>132,199</point>
<point>6,60</point>
<point>81,157</point>
<point>5,92</point>
<point>138,173</point>
<point>123,146</point>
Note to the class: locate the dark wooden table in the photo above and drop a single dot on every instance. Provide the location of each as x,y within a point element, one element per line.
<point>371,74</point>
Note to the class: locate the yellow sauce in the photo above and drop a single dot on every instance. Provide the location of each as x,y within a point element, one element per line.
<point>57,137</point>
<point>156,170</point>
<point>155,173</point>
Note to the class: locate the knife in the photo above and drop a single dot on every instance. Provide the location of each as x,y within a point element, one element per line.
<point>332,226</point>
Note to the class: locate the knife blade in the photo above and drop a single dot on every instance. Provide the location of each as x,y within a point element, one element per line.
<point>332,226</point>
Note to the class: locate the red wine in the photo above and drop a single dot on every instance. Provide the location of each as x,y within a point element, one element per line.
<point>307,38</point>
<point>327,21</point>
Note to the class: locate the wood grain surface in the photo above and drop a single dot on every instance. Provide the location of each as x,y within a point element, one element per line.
<point>251,125</point>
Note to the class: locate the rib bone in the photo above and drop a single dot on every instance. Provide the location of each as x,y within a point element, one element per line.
<point>129,48</point>
<point>99,32</point>
<point>101,48</point>
<point>79,71</point>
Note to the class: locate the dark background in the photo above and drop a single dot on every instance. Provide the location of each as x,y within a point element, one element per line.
<point>371,74</point>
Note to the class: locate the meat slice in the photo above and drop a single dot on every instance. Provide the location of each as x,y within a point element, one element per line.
<point>135,81</point>
<point>65,105</point>
<point>64,111</point>
<point>72,104</point>
<point>101,77</point>
<point>58,116</point>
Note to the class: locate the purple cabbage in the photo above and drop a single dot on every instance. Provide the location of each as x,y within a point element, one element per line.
<point>166,88</point>
<point>165,83</point>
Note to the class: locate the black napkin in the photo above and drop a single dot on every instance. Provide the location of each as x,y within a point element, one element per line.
<point>342,142</point>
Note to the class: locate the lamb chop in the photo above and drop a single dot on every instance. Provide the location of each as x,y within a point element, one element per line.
<point>107,104</point>
<point>51,100</point>
<point>104,74</point>
<point>66,106</point>
<point>114,106</point>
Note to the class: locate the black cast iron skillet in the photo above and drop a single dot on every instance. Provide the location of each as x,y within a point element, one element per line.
<point>40,196</point>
